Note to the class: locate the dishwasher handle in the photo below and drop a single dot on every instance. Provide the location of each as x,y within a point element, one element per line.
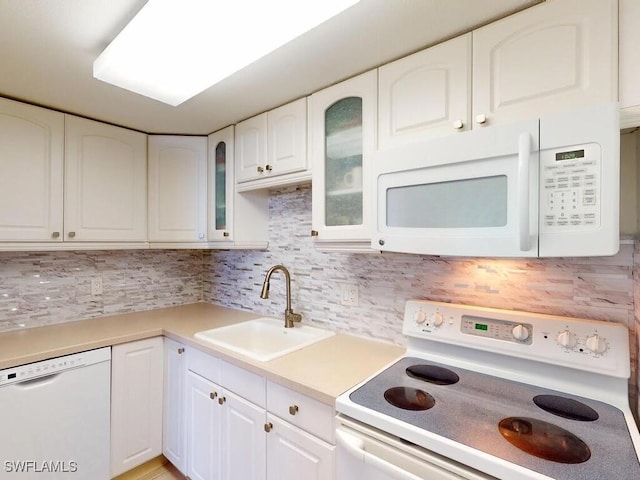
<point>37,382</point>
<point>355,447</point>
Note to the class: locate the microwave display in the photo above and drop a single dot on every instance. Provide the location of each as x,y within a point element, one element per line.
<point>573,155</point>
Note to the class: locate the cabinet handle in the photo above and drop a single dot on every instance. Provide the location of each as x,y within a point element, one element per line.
<point>260,169</point>
<point>457,124</point>
<point>481,118</point>
<point>72,234</point>
<point>180,351</point>
<point>293,409</point>
<point>314,233</point>
<point>221,400</point>
<point>55,235</point>
<point>269,168</point>
<point>268,427</point>
<point>201,236</point>
<point>225,234</point>
<point>213,395</point>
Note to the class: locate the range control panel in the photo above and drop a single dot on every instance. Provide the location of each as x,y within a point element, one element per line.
<point>578,343</point>
<point>570,190</point>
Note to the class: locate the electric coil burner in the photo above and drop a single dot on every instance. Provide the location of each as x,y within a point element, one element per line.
<point>503,394</point>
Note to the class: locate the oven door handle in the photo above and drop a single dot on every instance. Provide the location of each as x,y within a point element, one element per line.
<point>354,446</point>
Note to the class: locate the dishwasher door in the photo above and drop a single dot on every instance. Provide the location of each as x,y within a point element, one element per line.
<point>55,422</point>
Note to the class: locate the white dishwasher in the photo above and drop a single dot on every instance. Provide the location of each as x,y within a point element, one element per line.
<point>54,418</point>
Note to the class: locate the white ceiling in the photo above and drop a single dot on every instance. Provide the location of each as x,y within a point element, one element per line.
<point>47,49</point>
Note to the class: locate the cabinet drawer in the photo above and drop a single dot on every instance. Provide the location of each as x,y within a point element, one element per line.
<point>309,414</point>
<point>204,365</point>
<point>246,384</point>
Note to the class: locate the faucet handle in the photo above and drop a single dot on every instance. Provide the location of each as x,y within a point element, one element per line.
<point>290,318</point>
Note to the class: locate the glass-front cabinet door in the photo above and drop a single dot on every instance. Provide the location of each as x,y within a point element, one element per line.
<point>220,185</point>
<point>342,139</point>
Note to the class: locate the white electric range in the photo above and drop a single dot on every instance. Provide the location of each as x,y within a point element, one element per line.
<point>485,393</point>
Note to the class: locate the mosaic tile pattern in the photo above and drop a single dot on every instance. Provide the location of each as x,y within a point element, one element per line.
<point>41,288</point>
<point>596,288</point>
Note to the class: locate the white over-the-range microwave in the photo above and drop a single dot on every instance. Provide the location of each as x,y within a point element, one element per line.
<point>546,187</point>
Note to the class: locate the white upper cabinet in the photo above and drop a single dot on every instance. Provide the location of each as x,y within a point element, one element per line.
<point>236,220</point>
<point>221,185</point>
<point>271,148</point>
<point>342,138</point>
<point>177,189</point>
<point>629,63</point>
<point>105,182</point>
<point>558,55</point>
<point>31,183</point>
<point>426,94</point>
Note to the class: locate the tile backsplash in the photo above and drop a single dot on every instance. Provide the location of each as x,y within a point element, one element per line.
<point>39,288</point>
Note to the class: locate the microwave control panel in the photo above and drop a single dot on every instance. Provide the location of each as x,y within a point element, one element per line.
<point>570,179</point>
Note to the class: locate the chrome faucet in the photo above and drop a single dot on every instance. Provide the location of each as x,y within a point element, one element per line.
<point>289,317</point>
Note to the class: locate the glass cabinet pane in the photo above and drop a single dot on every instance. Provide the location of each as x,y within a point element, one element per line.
<point>220,186</point>
<point>343,162</point>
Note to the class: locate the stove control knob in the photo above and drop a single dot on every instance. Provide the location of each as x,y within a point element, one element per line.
<point>520,332</point>
<point>596,344</point>
<point>437,319</point>
<point>567,339</point>
<point>420,316</point>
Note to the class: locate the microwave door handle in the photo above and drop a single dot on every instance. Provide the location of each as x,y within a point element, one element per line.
<point>355,447</point>
<point>524,156</point>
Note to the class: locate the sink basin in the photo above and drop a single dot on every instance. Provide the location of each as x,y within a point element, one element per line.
<point>264,338</point>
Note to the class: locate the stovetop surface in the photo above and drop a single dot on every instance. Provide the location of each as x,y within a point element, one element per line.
<point>469,412</point>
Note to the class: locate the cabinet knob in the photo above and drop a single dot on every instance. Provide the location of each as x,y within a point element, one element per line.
<point>55,235</point>
<point>269,168</point>
<point>268,427</point>
<point>457,124</point>
<point>72,234</point>
<point>221,400</point>
<point>481,118</point>
<point>201,236</point>
<point>293,409</point>
<point>314,233</point>
<point>180,351</point>
<point>260,169</point>
<point>213,395</point>
<point>225,234</point>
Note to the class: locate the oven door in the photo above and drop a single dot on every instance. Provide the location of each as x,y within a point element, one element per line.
<point>365,453</point>
<point>472,194</point>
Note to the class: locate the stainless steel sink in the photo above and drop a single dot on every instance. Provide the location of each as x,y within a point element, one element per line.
<point>264,338</point>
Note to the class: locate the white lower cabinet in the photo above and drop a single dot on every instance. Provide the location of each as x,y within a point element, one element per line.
<point>294,454</point>
<point>173,431</point>
<point>136,403</point>
<point>232,434</point>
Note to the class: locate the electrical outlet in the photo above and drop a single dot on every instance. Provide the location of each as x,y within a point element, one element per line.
<point>349,294</point>
<point>96,286</point>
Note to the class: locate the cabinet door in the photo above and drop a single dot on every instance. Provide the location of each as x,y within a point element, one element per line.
<point>425,95</point>
<point>343,134</point>
<point>105,182</point>
<point>244,443</point>
<point>221,185</point>
<point>287,138</point>
<point>31,161</point>
<point>251,148</point>
<point>204,428</point>
<point>629,63</point>
<point>136,403</point>
<point>177,188</point>
<point>173,433</point>
<point>553,56</point>
<point>294,454</point>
